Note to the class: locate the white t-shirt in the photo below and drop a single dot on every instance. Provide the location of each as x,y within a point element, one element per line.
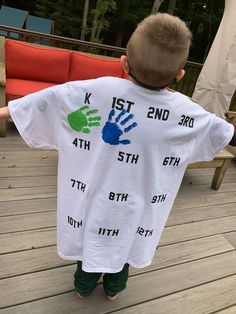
<point>123,151</point>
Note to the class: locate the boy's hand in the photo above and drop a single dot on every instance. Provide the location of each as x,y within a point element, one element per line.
<point>4,113</point>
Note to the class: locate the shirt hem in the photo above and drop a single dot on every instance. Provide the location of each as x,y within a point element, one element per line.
<point>22,133</point>
<point>103,269</point>
<point>227,140</point>
<point>70,258</point>
<point>17,123</point>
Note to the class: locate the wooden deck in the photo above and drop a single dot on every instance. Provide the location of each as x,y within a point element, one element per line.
<point>194,271</point>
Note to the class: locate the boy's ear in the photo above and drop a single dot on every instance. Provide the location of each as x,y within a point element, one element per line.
<point>180,75</point>
<point>124,63</point>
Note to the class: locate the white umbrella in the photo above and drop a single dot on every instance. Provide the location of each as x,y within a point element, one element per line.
<point>217,80</point>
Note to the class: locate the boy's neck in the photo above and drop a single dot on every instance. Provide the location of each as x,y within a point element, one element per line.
<point>137,82</point>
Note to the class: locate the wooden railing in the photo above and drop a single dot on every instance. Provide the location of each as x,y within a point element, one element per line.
<point>61,42</point>
<point>185,86</point>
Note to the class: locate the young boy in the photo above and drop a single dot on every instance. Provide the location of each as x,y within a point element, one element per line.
<point>123,149</point>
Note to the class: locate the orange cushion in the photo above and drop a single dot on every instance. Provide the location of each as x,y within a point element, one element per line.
<point>125,75</point>
<point>83,67</point>
<point>28,62</point>
<point>18,88</point>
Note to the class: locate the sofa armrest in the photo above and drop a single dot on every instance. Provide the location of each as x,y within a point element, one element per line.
<point>2,104</point>
<point>2,76</point>
<point>2,84</point>
<point>2,63</point>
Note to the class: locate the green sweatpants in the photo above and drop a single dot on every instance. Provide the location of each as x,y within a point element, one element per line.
<point>85,282</point>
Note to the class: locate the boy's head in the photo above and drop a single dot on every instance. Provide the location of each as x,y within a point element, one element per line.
<point>157,50</point>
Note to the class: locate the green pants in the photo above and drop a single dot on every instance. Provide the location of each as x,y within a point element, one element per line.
<point>85,282</point>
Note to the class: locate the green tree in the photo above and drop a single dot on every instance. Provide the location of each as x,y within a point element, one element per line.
<point>20,4</point>
<point>156,5</point>
<point>84,27</point>
<point>67,15</point>
<point>114,26</point>
<point>171,6</point>
<point>121,22</point>
<point>44,8</point>
<point>203,18</point>
<point>99,21</point>
<point>125,19</point>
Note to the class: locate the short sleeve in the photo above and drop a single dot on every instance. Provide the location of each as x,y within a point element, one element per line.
<point>215,135</point>
<point>37,118</point>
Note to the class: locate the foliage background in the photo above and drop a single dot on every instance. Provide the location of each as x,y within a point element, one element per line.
<point>112,21</point>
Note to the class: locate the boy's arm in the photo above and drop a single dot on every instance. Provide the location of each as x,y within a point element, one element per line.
<point>4,113</point>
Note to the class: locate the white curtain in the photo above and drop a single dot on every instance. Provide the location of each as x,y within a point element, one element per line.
<point>217,80</point>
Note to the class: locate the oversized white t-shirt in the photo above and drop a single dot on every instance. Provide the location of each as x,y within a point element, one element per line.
<point>123,151</point>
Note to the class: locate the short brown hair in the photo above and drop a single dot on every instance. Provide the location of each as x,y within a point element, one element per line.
<point>158,49</point>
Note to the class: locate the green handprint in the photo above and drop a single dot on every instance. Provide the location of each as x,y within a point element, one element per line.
<point>81,121</point>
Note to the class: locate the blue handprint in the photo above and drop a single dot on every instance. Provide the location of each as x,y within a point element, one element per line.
<point>112,131</point>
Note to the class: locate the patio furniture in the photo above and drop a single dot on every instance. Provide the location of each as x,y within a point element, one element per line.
<point>221,163</point>
<point>231,118</point>
<point>12,17</point>
<point>41,25</point>
<point>26,68</point>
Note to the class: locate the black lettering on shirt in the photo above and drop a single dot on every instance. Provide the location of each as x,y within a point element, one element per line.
<point>171,161</point>
<point>144,232</point>
<point>108,232</point>
<point>118,197</point>
<point>80,143</point>
<point>158,198</point>
<point>186,121</point>
<point>128,158</point>
<point>157,113</point>
<point>86,99</point>
<point>79,185</point>
<point>74,223</point>
<point>120,104</point>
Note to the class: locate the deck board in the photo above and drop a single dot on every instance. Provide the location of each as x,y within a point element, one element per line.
<point>27,193</point>
<point>185,232</point>
<point>27,240</point>
<point>231,238</point>
<point>204,299</point>
<point>189,215</point>
<point>229,310</point>
<point>30,171</point>
<point>195,264</point>
<point>159,282</point>
<point>212,198</point>
<point>14,182</point>
<point>20,207</point>
<point>188,190</point>
<point>10,224</point>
